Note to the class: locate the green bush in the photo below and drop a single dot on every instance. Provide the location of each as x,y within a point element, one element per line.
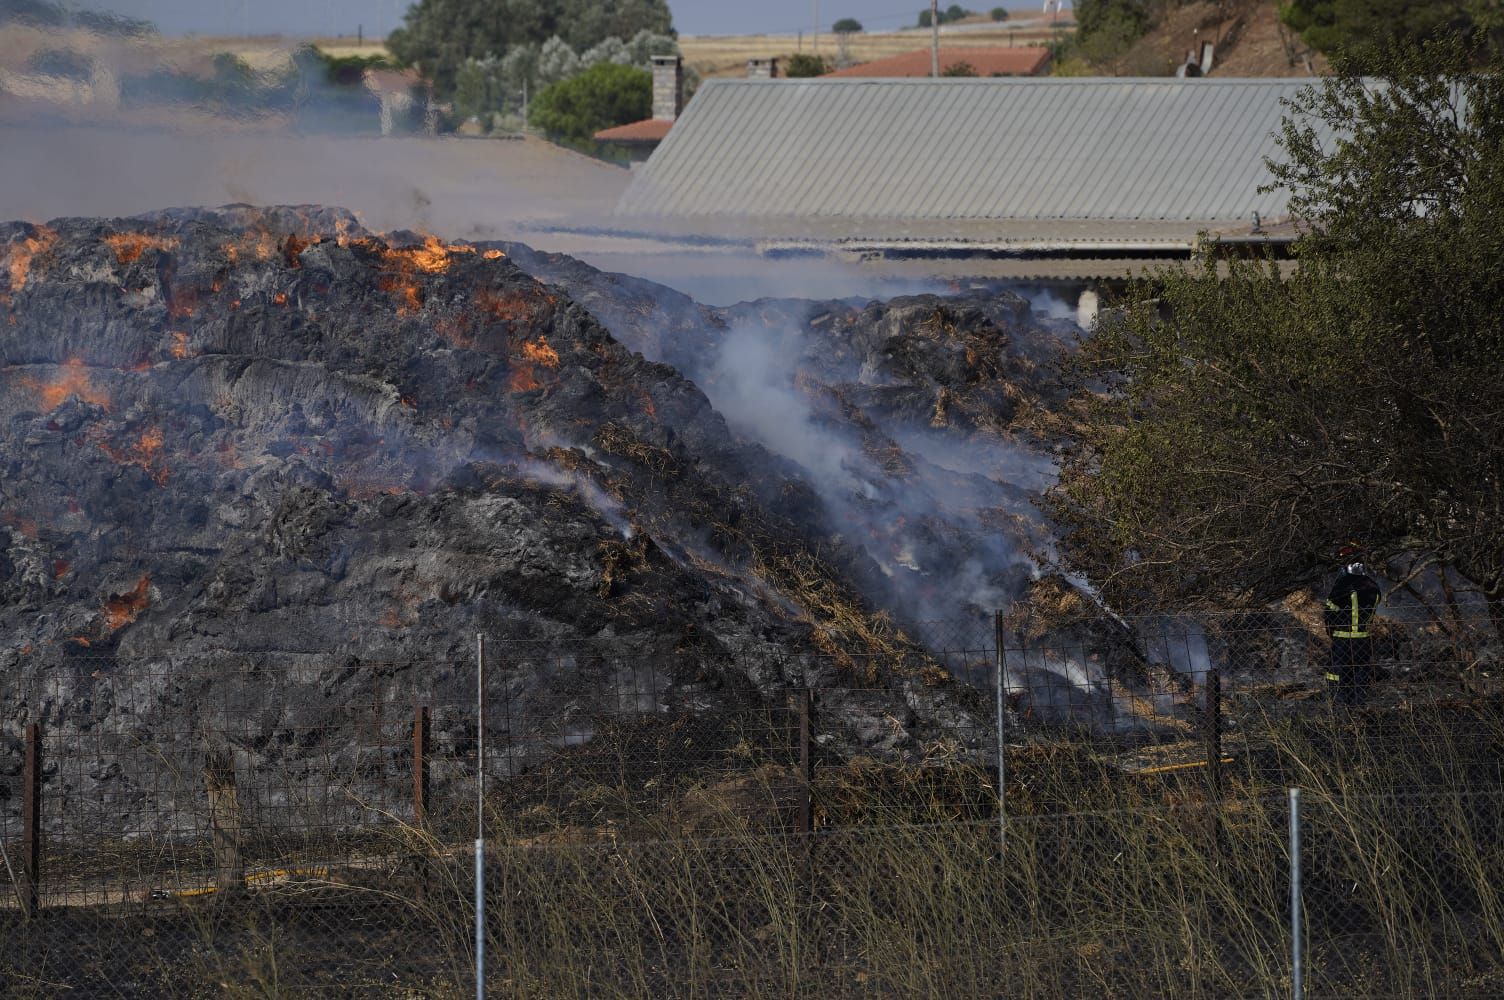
<point>802,64</point>
<point>438,36</point>
<point>847,26</point>
<point>999,13</point>
<point>962,68</point>
<point>604,95</point>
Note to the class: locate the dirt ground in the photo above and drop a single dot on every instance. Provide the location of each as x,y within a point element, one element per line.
<point>1249,39</point>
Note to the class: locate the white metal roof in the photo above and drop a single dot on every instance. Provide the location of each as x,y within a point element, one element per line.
<point>899,157</point>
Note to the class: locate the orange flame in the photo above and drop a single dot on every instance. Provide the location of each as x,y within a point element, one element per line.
<point>522,379</point>
<point>73,380</point>
<point>409,296</point>
<point>510,307</point>
<point>24,525</point>
<point>180,346</point>
<point>280,298</point>
<point>539,351</point>
<point>145,453</point>
<point>129,246</point>
<point>124,609</point>
<point>59,568</point>
<point>493,255</point>
<point>433,257</point>
<point>294,247</point>
<point>22,252</point>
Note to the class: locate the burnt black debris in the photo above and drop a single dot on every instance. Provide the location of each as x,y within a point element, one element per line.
<point>268,435</point>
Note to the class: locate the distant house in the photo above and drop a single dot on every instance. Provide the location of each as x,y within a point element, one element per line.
<point>983,61</point>
<point>642,137</point>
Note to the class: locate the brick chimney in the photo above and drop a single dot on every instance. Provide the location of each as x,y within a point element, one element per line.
<point>668,87</point>
<point>762,69</point>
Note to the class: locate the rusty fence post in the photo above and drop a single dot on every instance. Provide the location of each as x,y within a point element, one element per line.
<point>421,722</point>
<point>803,710</point>
<point>31,822</point>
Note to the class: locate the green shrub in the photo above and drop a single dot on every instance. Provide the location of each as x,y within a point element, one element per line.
<point>802,64</point>
<point>604,95</point>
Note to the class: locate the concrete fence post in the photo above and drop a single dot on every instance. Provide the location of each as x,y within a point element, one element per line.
<point>225,826</point>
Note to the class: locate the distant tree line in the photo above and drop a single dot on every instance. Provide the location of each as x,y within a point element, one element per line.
<point>46,14</point>
<point>439,36</point>
<point>1333,25</point>
<point>955,12</point>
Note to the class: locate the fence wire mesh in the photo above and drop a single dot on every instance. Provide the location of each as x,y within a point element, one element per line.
<point>795,826</point>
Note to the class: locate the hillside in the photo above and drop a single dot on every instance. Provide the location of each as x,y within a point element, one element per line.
<point>1249,38</point>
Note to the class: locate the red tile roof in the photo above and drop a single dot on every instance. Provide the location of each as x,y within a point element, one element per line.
<point>986,60</point>
<point>648,130</point>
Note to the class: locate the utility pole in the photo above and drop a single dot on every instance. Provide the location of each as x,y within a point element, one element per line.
<point>934,37</point>
<point>816,37</point>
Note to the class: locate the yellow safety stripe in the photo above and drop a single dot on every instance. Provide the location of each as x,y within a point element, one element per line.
<point>1345,634</point>
<point>1357,625</point>
<point>1334,677</point>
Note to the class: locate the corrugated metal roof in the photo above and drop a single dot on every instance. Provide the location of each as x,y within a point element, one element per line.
<point>790,155</point>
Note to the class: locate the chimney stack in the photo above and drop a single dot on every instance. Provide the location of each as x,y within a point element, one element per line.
<point>762,69</point>
<point>668,87</point>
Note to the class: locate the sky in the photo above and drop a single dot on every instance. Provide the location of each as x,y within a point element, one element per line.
<point>376,17</point>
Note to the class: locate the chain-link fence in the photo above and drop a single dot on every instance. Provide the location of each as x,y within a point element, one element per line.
<point>653,828</point>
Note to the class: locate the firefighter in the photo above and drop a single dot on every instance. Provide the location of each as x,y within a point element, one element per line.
<point>1349,615</point>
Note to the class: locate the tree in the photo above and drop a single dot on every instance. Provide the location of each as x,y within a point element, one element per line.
<point>846,26</point>
<point>1093,16</point>
<point>924,18</point>
<point>802,64</point>
<point>999,13</point>
<point>604,95</point>
<point>1327,25</point>
<point>955,12</point>
<point>1231,430</point>
<point>437,36</point>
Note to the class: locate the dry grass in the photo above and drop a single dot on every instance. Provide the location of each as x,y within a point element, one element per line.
<point>715,55</point>
<point>1106,885</point>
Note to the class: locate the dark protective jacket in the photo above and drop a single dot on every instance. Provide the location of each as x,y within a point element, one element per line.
<point>1351,605</point>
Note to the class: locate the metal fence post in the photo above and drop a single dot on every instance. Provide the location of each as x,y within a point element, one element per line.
<point>1002,723</point>
<point>1213,733</point>
<point>31,822</point>
<point>480,816</point>
<point>1297,983</point>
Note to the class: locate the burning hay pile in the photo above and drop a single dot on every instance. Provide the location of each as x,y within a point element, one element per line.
<point>270,433</point>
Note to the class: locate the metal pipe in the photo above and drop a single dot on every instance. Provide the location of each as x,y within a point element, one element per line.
<point>1297,984</point>
<point>480,737</point>
<point>480,920</point>
<point>934,38</point>
<point>1002,745</point>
